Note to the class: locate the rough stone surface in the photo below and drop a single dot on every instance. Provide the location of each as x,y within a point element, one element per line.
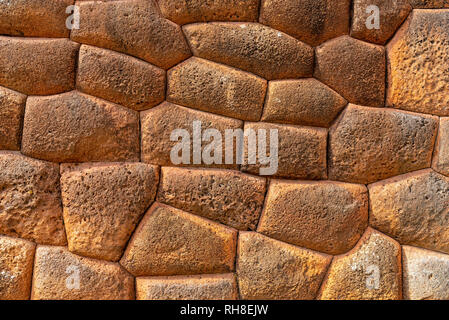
<point>413,209</point>
<point>169,241</point>
<point>418,64</point>
<point>301,151</point>
<point>371,144</point>
<point>30,203</point>
<point>16,267</point>
<point>37,66</point>
<point>74,127</point>
<point>311,21</point>
<point>103,204</point>
<point>120,78</point>
<point>252,47</point>
<point>325,216</point>
<point>441,154</point>
<point>134,27</point>
<point>355,69</point>
<point>216,88</point>
<point>225,196</point>
<point>303,102</point>
<point>202,287</point>
<point>391,15</point>
<point>37,18</point>
<point>371,271</point>
<point>55,277</point>
<point>12,107</point>
<point>426,274</point>
<point>429,4</point>
<point>183,12</point>
<point>158,124</point>
<point>271,269</point>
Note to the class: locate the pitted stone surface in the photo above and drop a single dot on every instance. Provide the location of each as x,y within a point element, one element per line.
<point>426,274</point>
<point>418,64</point>
<point>208,86</point>
<point>371,144</point>
<point>301,150</point>
<point>134,27</point>
<point>169,241</point>
<point>441,155</point>
<point>311,21</point>
<point>229,197</point>
<point>119,78</point>
<point>12,107</point>
<point>413,209</point>
<point>37,18</point>
<point>159,123</point>
<point>429,4</point>
<point>74,127</point>
<point>37,66</point>
<point>353,68</point>
<point>202,287</point>
<point>270,269</point>
<point>252,47</point>
<point>391,15</point>
<point>370,271</point>
<point>16,267</point>
<point>103,204</point>
<point>329,217</point>
<point>30,202</point>
<point>303,102</point>
<point>183,12</point>
<point>61,275</point>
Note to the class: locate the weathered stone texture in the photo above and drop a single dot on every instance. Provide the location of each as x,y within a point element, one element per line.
<point>119,78</point>
<point>56,271</point>
<point>413,209</point>
<point>216,88</point>
<point>355,69</point>
<point>30,203</point>
<point>183,12</point>
<point>102,205</point>
<point>303,102</point>
<point>169,241</point>
<point>311,21</point>
<point>37,66</point>
<point>426,274</point>
<point>301,151</point>
<point>202,287</point>
<point>441,155</point>
<point>429,4</point>
<point>325,216</point>
<point>36,18</point>
<point>157,125</point>
<point>12,107</point>
<point>371,144</point>
<point>370,271</point>
<point>271,269</point>
<point>391,15</point>
<point>16,267</point>
<point>134,27</point>
<point>418,64</point>
<point>74,127</point>
<point>225,196</point>
<point>252,47</point>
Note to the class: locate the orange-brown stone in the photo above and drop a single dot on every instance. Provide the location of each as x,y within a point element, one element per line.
<point>103,204</point>
<point>441,154</point>
<point>251,47</point>
<point>225,196</point>
<point>169,241</point>
<point>12,107</point>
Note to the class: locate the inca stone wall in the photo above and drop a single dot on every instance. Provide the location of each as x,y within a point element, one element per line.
<point>92,206</point>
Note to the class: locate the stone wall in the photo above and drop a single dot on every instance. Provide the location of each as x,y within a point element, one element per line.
<point>92,205</point>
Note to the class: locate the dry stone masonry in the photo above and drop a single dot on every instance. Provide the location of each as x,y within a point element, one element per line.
<point>92,205</point>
